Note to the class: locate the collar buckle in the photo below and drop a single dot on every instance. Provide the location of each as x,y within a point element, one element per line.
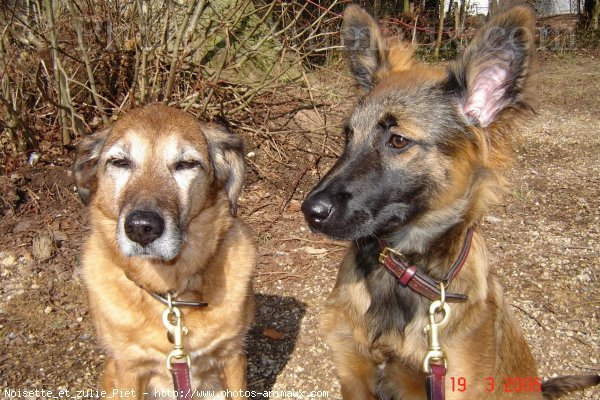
<point>385,253</point>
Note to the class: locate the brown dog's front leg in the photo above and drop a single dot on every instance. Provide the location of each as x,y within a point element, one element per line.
<point>121,381</point>
<point>233,376</point>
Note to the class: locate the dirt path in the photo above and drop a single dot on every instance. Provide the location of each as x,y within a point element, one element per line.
<point>544,243</point>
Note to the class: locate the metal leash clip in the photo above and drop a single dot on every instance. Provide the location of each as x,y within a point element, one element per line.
<point>435,354</point>
<point>172,321</point>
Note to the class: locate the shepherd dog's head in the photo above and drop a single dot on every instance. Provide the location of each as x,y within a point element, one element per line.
<point>151,173</point>
<point>424,147</point>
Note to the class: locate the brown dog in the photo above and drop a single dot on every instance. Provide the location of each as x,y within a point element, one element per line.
<point>425,150</point>
<point>162,190</point>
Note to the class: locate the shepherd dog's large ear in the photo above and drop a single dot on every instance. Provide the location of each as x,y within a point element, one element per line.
<point>227,157</point>
<point>371,56</point>
<point>494,72</point>
<point>86,164</point>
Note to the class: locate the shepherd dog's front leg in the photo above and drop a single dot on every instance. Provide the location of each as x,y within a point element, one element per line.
<point>357,374</point>
<point>356,371</point>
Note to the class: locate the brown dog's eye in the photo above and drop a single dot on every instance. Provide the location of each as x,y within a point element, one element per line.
<point>398,142</point>
<point>119,163</point>
<point>181,165</point>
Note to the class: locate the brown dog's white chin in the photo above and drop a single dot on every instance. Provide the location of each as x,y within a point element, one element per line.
<point>152,256</point>
<point>159,251</point>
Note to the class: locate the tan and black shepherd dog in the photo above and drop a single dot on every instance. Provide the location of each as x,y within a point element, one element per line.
<point>423,161</point>
<point>162,189</point>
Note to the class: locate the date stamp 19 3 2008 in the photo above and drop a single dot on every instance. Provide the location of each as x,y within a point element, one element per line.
<point>508,385</point>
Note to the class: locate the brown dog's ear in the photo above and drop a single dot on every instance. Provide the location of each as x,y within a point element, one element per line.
<point>493,74</point>
<point>226,151</point>
<point>86,164</point>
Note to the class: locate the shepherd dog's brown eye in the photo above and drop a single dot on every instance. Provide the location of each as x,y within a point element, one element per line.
<point>398,142</point>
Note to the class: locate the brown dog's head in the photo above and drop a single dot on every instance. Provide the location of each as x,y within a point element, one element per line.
<point>422,144</point>
<point>155,170</point>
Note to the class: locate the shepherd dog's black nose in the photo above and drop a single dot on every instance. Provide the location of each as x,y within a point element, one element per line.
<point>144,227</point>
<point>316,210</point>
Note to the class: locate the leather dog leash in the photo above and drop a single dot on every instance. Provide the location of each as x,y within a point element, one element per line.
<point>434,382</point>
<point>419,281</point>
<point>172,319</point>
<point>180,371</point>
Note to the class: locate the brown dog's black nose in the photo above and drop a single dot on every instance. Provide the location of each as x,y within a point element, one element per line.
<point>316,210</point>
<point>144,227</point>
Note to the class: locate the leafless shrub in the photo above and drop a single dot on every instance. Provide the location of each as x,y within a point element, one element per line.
<point>68,66</point>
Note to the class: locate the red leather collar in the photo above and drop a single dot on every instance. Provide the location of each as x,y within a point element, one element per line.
<point>419,281</point>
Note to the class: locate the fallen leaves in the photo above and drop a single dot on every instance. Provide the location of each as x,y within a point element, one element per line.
<point>273,334</point>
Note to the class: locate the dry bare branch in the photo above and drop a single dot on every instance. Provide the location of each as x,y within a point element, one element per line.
<point>175,56</point>
<point>88,65</point>
<point>66,136</point>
